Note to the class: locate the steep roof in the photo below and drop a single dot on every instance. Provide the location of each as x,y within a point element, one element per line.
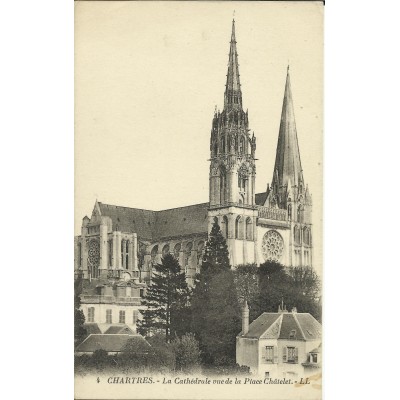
<point>287,162</point>
<point>118,329</point>
<point>130,219</point>
<point>154,225</point>
<point>110,343</point>
<point>296,326</point>
<point>260,198</point>
<point>181,221</point>
<point>233,77</point>
<point>91,327</point>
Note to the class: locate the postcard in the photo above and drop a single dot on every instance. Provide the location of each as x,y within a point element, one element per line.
<point>198,200</point>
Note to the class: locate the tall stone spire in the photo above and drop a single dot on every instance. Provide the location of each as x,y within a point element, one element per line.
<point>287,171</point>
<point>233,93</point>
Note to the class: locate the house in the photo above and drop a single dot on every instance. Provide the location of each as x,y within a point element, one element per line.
<point>282,344</point>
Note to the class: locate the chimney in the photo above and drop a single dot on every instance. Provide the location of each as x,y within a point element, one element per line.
<point>245,318</point>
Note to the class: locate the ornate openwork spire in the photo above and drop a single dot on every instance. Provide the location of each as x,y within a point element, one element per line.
<point>233,93</point>
<point>287,163</point>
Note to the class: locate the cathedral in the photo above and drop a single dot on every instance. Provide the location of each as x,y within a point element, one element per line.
<point>125,243</point>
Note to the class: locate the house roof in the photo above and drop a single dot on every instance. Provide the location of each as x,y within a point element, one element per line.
<point>91,327</point>
<point>296,326</point>
<point>118,329</point>
<point>154,225</point>
<point>111,343</point>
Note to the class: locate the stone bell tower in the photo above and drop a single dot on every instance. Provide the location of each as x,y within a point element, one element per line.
<point>288,190</point>
<point>232,168</point>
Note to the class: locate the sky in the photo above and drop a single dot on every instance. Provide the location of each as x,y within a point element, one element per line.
<point>148,77</point>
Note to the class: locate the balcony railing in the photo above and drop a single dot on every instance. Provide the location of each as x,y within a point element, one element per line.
<point>99,299</point>
<point>133,301</point>
<point>96,298</point>
<point>272,213</point>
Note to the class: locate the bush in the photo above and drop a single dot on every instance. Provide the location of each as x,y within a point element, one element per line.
<point>187,353</point>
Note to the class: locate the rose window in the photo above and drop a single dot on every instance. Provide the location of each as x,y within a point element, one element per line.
<point>94,253</point>
<point>272,246</point>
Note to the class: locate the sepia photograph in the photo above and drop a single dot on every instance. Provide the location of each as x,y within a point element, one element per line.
<point>198,200</point>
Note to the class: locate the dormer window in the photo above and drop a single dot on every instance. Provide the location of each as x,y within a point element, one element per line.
<point>292,334</point>
<point>314,358</point>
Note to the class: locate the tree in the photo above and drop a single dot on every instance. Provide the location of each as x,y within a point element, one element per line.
<point>266,287</point>
<point>167,300</point>
<point>79,317</point>
<point>216,251</point>
<point>246,277</point>
<point>306,286</point>
<point>187,353</point>
<point>215,307</point>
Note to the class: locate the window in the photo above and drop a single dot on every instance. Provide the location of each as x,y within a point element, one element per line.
<point>267,375</point>
<point>108,316</point>
<point>249,230</point>
<point>79,255</point>
<point>292,355</point>
<point>226,226</point>
<point>135,316</point>
<point>110,250</point>
<point>269,355</point>
<point>292,334</point>
<point>238,228</point>
<point>91,314</point>
<point>154,252</point>
<point>188,252</point>
<point>222,185</point>
<point>289,210</point>
<point>296,233</point>
<point>177,249</point>
<point>122,317</point>
<point>127,262</point>
<point>141,292</point>
<point>313,358</point>
<point>165,250</point>
<point>300,214</point>
<point>200,248</point>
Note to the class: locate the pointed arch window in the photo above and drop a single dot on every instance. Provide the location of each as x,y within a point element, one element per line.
<point>307,236</point>
<point>226,226</point>
<point>110,250</point>
<point>238,228</point>
<point>289,211</point>
<point>154,252</point>
<point>249,229</point>
<point>177,249</point>
<point>223,144</point>
<point>300,213</point>
<point>200,248</point>
<point>296,234</point>
<point>222,185</point>
<point>241,145</point>
<point>165,250</point>
<point>187,253</point>
<point>79,255</point>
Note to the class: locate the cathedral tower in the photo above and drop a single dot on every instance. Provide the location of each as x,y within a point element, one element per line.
<point>232,168</point>
<point>288,190</point>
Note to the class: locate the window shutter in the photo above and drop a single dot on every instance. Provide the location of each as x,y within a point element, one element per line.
<point>275,355</point>
<point>284,354</point>
<point>296,355</point>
